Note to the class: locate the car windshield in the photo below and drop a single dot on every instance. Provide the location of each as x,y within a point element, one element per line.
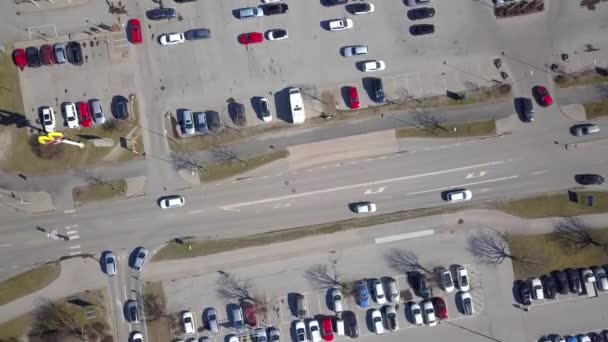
<point>464,280</point>
<point>187,320</point>
<point>314,328</point>
<point>416,311</point>
<point>337,297</point>
<point>261,338</point>
<point>428,311</point>
<point>447,279</point>
<point>141,255</point>
<point>377,319</point>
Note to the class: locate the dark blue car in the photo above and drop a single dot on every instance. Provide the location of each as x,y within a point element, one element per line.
<point>363,294</point>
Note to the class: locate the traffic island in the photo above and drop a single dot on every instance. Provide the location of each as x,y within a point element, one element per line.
<point>510,9</point>
<point>99,190</point>
<point>28,282</point>
<point>556,204</point>
<point>591,77</point>
<point>446,130</point>
<point>595,110</point>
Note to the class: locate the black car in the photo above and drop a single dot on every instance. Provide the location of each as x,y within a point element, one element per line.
<point>352,329</point>
<point>195,34</point>
<point>120,107</point>
<point>213,121</point>
<point>377,90</point>
<point>574,278</point>
<point>238,111</point>
<point>421,286</point>
<point>272,9</point>
<point>525,292</point>
<point>589,179</point>
<point>161,13</point>
<point>418,30</point>
<point>32,55</point>
<point>561,281</point>
<point>525,109</point>
<point>421,13</point>
<point>359,8</point>
<point>549,286</point>
<point>334,2</point>
<point>74,51</point>
<point>181,1</point>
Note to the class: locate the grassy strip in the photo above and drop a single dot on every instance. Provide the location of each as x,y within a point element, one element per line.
<point>10,89</point>
<point>158,330</point>
<point>585,78</point>
<point>28,282</point>
<point>468,129</point>
<point>99,192</point>
<point>482,95</point>
<point>235,167</point>
<point>172,250</point>
<point>549,254</point>
<point>555,205</point>
<point>14,329</point>
<point>596,110</point>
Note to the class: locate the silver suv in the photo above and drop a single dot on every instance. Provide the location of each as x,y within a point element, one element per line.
<point>97,110</point>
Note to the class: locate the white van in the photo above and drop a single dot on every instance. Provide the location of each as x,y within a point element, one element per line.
<point>297,106</point>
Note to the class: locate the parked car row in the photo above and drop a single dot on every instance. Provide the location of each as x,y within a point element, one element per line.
<point>419,14</point>
<point>202,122</point>
<point>260,11</point>
<point>588,337</point>
<point>178,37</point>
<point>83,113</point>
<point>58,53</point>
<point>576,281</point>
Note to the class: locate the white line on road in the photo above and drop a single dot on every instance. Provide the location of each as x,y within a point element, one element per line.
<point>71,232</point>
<point>6,245</point>
<point>73,237</point>
<point>539,172</point>
<point>352,186</point>
<point>74,247</point>
<point>196,211</point>
<point>405,236</point>
<point>462,185</point>
<point>76,253</point>
<point>69,211</point>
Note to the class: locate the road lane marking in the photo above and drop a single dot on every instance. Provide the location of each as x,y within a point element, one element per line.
<point>196,211</point>
<point>463,185</point>
<point>374,191</point>
<point>70,232</point>
<point>75,253</point>
<point>74,247</point>
<point>476,174</point>
<point>6,245</point>
<point>70,211</point>
<point>367,184</point>
<point>398,237</point>
<point>539,172</point>
<point>73,237</point>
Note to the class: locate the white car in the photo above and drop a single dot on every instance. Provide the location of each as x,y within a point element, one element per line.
<point>274,334</point>
<point>48,119</point>
<point>260,335</point>
<point>365,207</point>
<point>172,38</point>
<point>446,281</point>
<point>370,66</point>
<point>315,332</point>
<point>71,116</point>
<point>300,331</point>
<point>362,8</point>
<point>377,322</point>
<point>537,288</point>
<point>110,264</point>
<point>379,291</point>
<point>462,278</point>
<point>171,201</point>
<point>233,338</point>
<point>466,303</point>
<point>583,338</point>
<point>137,337</point>
<point>277,34</point>
<point>340,24</point>
<point>336,299</point>
<point>458,195</point>
<point>416,314</point>
<point>188,321</point>
<point>429,313</point>
<point>354,50</point>
<point>601,278</point>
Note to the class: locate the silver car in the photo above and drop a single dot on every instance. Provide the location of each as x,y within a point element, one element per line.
<point>584,129</point>
<point>97,111</point>
<point>140,258</point>
<point>212,322</point>
<point>250,12</point>
<point>188,121</point>
<point>354,50</point>
<point>59,49</point>
<point>133,311</point>
<point>110,264</point>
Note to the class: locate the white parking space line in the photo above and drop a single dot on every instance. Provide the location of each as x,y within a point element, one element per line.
<point>405,236</point>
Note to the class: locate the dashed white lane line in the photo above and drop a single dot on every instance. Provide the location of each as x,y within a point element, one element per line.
<point>367,184</point>
<point>196,211</point>
<point>539,172</point>
<point>71,232</point>
<point>398,237</point>
<point>463,185</point>
<point>70,211</point>
<point>74,247</point>
<point>6,245</point>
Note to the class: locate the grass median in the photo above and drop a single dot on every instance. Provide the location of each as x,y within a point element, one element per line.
<point>99,192</point>
<point>15,328</point>
<point>235,167</point>
<point>549,255</point>
<point>28,282</point>
<point>555,204</point>
<point>594,110</point>
<point>459,130</point>
<point>584,78</point>
<point>159,330</point>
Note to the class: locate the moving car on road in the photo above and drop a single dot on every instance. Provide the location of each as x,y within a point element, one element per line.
<point>364,207</point>
<point>589,179</point>
<point>458,195</point>
<point>48,119</point>
<point>340,24</point>
<point>132,311</point>
<point>140,258</point>
<point>171,38</point>
<point>584,129</point>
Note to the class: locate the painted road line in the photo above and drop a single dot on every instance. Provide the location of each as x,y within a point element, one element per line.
<point>73,237</point>
<point>69,211</point>
<point>74,247</point>
<point>539,172</point>
<point>71,232</point>
<point>462,185</point>
<point>196,211</point>
<point>6,245</point>
<point>398,237</point>
<point>75,253</point>
<point>367,184</point>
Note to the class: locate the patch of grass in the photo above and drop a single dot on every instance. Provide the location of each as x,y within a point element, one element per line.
<point>28,282</point>
<point>158,330</point>
<point>555,205</point>
<point>15,328</point>
<point>468,129</point>
<point>10,89</point>
<point>234,167</point>
<point>208,141</point>
<point>549,254</point>
<point>584,78</point>
<point>596,110</point>
<point>99,192</point>
<point>174,250</point>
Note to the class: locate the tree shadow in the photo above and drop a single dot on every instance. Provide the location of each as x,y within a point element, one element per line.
<point>18,120</point>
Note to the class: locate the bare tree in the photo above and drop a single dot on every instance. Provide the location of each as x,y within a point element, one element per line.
<point>154,307</point>
<point>230,288</point>
<point>490,247</point>
<point>186,161</point>
<point>54,317</point>
<point>405,261</point>
<point>224,154</point>
<point>93,177</point>
<point>574,234</point>
<point>321,277</point>
<point>116,9</point>
<point>430,121</point>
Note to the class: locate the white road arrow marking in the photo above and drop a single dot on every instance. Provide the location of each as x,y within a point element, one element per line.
<point>374,191</point>
<point>476,174</point>
<point>281,205</point>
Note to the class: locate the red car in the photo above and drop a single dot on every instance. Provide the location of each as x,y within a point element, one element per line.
<point>85,114</point>
<point>441,310</point>
<point>354,98</point>
<point>19,58</point>
<point>251,38</point>
<point>135,31</point>
<point>249,312</point>
<point>48,55</point>
<point>542,96</point>
<point>328,330</point>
